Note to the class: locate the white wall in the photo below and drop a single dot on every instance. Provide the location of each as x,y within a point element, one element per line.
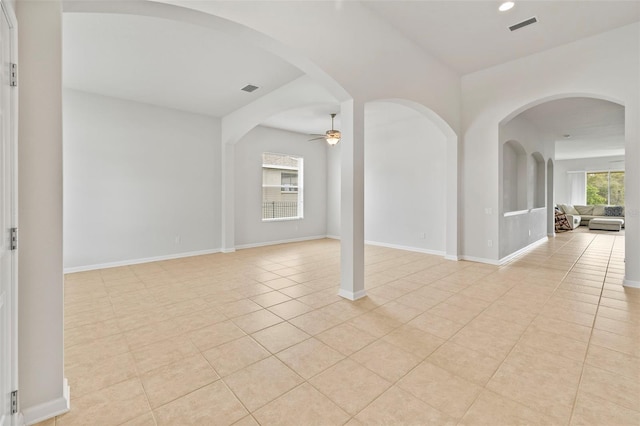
<point>405,179</point>
<point>597,164</point>
<point>605,66</point>
<point>249,228</point>
<point>40,303</point>
<point>140,181</point>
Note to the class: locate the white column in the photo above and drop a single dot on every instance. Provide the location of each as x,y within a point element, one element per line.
<point>352,200</point>
<point>228,200</point>
<point>43,389</point>
<point>632,193</point>
<point>453,216</point>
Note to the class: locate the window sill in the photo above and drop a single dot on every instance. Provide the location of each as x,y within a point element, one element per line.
<point>282,219</point>
<point>516,213</point>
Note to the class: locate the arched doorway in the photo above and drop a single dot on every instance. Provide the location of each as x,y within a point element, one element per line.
<point>410,178</point>
<point>576,133</point>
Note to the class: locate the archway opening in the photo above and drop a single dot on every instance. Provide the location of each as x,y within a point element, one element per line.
<point>578,138</point>
<point>410,178</point>
<point>148,140</point>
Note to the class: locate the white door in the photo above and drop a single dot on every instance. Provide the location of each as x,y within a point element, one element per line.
<point>8,265</point>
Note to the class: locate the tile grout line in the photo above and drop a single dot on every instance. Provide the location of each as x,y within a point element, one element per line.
<point>595,318</point>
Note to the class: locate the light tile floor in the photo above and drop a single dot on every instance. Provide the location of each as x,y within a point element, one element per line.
<point>260,337</point>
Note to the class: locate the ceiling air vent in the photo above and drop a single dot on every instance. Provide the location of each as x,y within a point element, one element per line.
<point>523,24</point>
<point>249,88</point>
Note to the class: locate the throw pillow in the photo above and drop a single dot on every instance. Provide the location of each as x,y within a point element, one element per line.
<point>585,210</point>
<point>569,209</point>
<point>598,210</point>
<point>613,211</point>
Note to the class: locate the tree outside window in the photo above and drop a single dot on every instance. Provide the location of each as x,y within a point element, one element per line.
<point>605,188</point>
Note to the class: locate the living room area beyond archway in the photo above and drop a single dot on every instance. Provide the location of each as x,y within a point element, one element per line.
<point>589,151</point>
<point>585,138</point>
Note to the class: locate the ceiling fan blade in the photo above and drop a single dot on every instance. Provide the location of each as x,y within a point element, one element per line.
<point>316,139</point>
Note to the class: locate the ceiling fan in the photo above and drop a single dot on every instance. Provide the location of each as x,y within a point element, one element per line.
<point>331,136</point>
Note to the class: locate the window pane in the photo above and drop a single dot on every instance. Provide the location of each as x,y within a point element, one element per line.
<point>597,188</point>
<point>605,188</point>
<point>281,186</point>
<point>617,188</point>
<point>289,181</point>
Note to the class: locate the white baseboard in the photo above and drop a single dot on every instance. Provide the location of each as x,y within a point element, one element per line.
<point>480,260</point>
<point>351,295</point>
<point>49,409</point>
<point>273,243</point>
<point>406,248</point>
<point>334,237</point>
<point>452,257</point>
<point>138,261</point>
<point>228,250</point>
<point>523,250</point>
<point>632,284</point>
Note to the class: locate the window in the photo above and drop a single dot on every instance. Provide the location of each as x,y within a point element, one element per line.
<point>605,188</point>
<point>281,187</point>
<point>289,181</point>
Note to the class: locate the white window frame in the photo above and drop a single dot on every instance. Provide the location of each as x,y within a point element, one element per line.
<point>608,172</point>
<point>299,188</point>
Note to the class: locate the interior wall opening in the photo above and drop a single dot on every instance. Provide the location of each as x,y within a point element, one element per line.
<point>405,179</point>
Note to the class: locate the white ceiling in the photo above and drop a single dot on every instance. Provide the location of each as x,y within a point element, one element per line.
<point>595,127</point>
<point>166,63</point>
<point>473,35</point>
<point>312,119</point>
<point>316,119</point>
<point>186,67</point>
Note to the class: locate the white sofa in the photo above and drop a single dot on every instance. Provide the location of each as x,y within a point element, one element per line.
<point>583,214</point>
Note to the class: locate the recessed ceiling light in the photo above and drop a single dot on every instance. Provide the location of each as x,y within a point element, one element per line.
<point>507,5</point>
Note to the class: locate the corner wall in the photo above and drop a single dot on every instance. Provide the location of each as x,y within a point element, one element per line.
<point>140,181</point>
<point>43,391</point>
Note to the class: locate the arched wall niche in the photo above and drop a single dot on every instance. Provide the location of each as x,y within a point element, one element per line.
<point>514,177</point>
<point>538,180</point>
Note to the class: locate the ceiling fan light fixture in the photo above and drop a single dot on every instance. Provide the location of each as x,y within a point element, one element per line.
<point>333,137</point>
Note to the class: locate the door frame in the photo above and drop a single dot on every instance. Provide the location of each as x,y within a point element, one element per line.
<point>12,301</point>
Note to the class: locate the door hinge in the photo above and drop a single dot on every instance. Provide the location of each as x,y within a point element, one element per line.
<point>14,402</point>
<point>13,75</point>
<point>14,239</point>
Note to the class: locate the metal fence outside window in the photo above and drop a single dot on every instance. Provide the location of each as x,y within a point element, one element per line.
<point>279,209</point>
